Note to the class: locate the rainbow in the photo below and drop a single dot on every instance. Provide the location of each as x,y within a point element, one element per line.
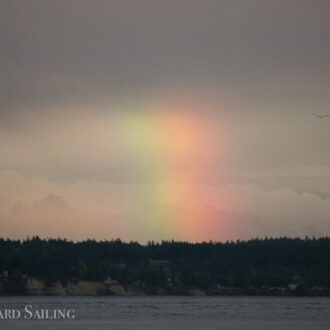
<point>162,141</point>
<point>170,147</point>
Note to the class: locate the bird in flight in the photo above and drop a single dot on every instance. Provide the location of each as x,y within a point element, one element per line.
<point>320,116</point>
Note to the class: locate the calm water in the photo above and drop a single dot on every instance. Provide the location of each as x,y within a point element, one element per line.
<point>175,313</point>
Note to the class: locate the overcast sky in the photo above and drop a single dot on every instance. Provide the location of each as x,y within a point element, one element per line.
<point>164,119</point>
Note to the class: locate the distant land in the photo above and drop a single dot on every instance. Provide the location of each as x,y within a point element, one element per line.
<point>270,266</point>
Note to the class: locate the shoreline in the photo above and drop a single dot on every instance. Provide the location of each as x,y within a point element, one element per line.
<point>75,288</point>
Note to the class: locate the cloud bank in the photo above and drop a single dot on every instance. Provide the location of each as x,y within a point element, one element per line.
<point>106,210</point>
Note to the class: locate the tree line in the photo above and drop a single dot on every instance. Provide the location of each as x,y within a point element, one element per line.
<point>247,266</point>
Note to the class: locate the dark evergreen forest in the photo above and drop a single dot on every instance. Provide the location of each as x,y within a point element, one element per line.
<point>259,266</point>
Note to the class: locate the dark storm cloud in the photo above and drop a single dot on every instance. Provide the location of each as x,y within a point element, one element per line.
<point>53,52</point>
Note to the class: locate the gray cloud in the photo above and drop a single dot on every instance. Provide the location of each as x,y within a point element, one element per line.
<point>253,70</point>
<point>55,52</point>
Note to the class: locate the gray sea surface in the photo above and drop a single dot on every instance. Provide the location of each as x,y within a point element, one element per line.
<point>172,313</point>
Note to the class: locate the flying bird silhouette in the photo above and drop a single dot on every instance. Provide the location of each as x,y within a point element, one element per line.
<point>320,116</point>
